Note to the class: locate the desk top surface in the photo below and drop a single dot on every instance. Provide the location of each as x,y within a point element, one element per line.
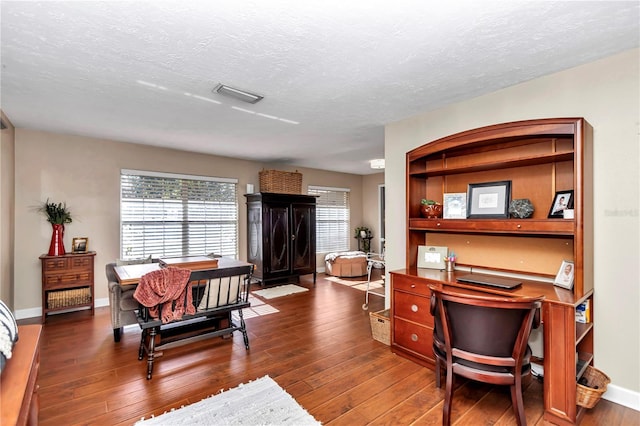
<point>131,274</point>
<point>529,288</point>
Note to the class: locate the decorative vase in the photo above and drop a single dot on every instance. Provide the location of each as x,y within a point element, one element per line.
<point>56,248</point>
<point>431,211</point>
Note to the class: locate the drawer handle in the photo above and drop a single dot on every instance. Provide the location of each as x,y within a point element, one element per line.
<point>413,286</point>
<point>438,224</point>
<point>414,308</point>
<point>519,226</point>
<point>414,337</point>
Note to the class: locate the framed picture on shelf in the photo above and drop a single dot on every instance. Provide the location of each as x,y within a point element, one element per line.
<point>455,206</point>
<point>431,257</point>
<point>561,202</point>
<point>564,278</point>
<point>80,245</point>
<point>488,199</point>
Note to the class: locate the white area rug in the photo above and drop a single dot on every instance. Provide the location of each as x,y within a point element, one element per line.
<point>375,286</point>
<point>260,402</point>
<point>279,291</point>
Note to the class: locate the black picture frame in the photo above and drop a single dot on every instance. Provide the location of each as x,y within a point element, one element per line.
<point>488,199</point>
<point>562,201</point>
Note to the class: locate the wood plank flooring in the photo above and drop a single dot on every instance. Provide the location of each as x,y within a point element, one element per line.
<point>317,346</point>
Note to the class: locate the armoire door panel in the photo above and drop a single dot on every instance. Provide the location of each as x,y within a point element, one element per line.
<point>302,238</point>
<point>279,245</point>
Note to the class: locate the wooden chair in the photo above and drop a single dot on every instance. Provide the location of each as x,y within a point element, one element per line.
<point>483,337</point>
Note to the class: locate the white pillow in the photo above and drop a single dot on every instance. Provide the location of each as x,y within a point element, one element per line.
<point>9,321</point>
<point>225,287</point>
<point>8,334</point>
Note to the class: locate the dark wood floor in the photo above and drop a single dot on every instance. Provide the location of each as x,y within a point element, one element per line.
<point>318,347</point>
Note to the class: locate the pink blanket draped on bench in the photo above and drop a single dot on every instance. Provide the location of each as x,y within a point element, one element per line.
<point>169,288</point>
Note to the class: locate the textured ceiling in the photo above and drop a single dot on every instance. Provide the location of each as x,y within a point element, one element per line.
<point>144,72</point>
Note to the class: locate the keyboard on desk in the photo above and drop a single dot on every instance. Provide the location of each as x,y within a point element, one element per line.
<point>489,280</point>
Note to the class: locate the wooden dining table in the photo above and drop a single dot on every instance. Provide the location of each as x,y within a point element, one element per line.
<point>131,274</point>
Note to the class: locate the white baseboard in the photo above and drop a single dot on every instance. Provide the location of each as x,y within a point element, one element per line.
<point>28,313</point>
<point>622,396</point>
<point>37,312</point>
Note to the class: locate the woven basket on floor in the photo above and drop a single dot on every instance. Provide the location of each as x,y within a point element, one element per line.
<point>280,182</point>
<point>381,326</point>
<point>588,396</point>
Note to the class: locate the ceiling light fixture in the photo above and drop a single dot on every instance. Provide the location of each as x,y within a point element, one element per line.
<point>241,95</point>
<point>378,163</point>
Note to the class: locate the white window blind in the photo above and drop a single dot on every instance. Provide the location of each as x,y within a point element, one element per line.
<point>177,215</point>
<point>332,218</point>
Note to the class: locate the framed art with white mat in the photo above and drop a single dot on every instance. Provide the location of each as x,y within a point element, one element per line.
<point>455,205</point>
<point>488,200</point>
<point>431,257</point>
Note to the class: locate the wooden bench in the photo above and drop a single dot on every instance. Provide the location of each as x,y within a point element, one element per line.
<point>217,293</point>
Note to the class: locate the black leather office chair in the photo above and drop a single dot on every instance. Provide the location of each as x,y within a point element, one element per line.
<point>483,337</point>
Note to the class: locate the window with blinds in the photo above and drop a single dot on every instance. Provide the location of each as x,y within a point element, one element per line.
<point>332,218</point>
<point>164,214</point>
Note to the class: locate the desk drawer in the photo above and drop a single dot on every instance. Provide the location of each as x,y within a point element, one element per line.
<point>411,284</point>
<point>413,308</point>
<point>414,337</point>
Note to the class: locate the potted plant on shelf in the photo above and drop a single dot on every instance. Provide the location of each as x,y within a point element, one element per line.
<point>58,215</point>
<point>430,209</point>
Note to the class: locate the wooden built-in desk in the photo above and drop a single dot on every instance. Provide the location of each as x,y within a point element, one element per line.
<point>412,329</point>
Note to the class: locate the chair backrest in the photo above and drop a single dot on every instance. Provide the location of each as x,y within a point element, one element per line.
<point>111,272</point>
<point>484,328</point>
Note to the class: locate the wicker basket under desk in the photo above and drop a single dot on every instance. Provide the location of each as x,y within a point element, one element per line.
<point>588,396</point>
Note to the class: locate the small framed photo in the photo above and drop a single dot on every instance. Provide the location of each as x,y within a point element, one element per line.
<point>561,202</point>
<point>455,206</point>
<point>432,257</point>
<point>564,278</point>
<point>489,199</point>
<point>80,244</point>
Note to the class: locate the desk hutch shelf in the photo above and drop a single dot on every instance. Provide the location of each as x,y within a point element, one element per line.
<point>539,157</point>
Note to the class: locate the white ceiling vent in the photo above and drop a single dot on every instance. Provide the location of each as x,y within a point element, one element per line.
<point>239,94</point>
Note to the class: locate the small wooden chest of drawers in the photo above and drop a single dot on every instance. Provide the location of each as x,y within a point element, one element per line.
<point>67,282</point>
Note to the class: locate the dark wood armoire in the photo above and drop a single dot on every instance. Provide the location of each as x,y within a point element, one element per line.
<point>281,236</point>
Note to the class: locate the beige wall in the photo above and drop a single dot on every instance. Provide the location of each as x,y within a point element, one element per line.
<point>7,179</point>
<point>606,93</point>
<point>370,207</point>
<point>85,173</point>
